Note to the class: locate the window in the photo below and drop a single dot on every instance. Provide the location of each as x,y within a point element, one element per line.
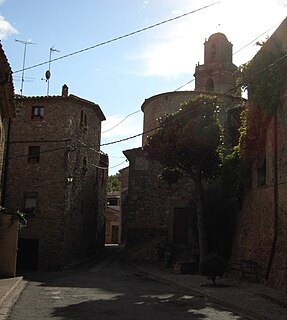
<point>113,201</point>
<point>37,112</point>
<point>82,118</point>
<point>34,154</point>
<point>209,85</point>
<point>261,174</point>
<point>85,165</point>
<point>30,206</point>
<point>213,52</point>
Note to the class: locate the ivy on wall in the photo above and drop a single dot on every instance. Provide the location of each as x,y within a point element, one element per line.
<point>265,77</point>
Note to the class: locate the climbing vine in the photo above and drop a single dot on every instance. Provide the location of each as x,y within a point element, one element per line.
<point>264,76</point>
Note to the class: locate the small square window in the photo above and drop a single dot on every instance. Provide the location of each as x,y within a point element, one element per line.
<point>34,154</point>
<point>30,206</point>
<point>113,201</point>
<point>37,113</point>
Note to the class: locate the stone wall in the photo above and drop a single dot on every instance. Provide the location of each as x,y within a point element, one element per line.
<point>170,102</point>
<point>151,203</point>
<point>263,205</point>
<point>256,222</point>
<point>148,219</point>
<point>7,109</point>
<point>68,221</point>
<point>158,105</point>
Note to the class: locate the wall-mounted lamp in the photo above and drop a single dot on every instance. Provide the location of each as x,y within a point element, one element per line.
<point>70,179</point>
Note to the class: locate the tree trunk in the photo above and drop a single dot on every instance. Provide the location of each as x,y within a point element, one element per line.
<point>202,237</point>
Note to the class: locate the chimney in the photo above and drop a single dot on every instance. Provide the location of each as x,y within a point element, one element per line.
<point>65,91</point>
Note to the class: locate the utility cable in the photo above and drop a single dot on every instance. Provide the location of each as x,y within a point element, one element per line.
<point>130,114</point>
<point>145,132</point>
<point>119,37</point>
<point>248,44</point>
<point>117,165</point>
<point>256,74</point>
<point>225,93</point>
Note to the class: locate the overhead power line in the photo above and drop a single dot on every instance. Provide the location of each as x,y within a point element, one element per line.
<point>190,81</point>
<point>145,132</point>
<point>245,46</point>
<point>119,37</point>
<point>73,148</point>
<point>227,92</point>
<point>130,114</point>
<point>249,43</point>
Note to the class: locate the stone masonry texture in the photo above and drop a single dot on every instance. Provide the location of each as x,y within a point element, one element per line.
<point>68,221</point>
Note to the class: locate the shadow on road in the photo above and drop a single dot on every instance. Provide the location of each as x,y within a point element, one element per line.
<point>113,289</point>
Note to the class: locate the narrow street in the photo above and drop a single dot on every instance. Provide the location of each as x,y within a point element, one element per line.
<point>110,289</point>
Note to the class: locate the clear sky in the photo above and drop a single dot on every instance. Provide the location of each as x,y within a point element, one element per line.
<point>121,74</point>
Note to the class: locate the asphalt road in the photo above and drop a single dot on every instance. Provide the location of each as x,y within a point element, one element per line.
<point>110,289</point>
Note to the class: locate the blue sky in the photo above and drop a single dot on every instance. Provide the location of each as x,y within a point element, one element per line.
<point>120,75</point>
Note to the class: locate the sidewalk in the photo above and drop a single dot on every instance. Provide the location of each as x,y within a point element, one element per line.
<point>10,289</point>
<point>247,299</point>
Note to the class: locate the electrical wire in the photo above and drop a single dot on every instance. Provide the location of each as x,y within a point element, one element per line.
<point>245,46</point>
<point>248,80</point>
<point>130,114</point>
<point>45,151</point>
<point>117,165</point>
<point>148,131</point>
<point>145,132</point>
<point>119,37</point>
<point>248,44</point>
<point>262,34</point>
<point>185,84</point>
<point>225,93</point>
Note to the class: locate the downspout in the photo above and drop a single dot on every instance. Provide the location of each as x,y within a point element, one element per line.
<point>275,196</point>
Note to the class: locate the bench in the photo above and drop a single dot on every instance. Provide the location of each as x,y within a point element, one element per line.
<point>245,269</point>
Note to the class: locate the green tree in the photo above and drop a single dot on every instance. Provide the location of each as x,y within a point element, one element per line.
<point>189,142</point>
<point>114,183</point>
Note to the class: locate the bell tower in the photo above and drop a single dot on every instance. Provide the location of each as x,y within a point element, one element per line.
<point>217,72</point>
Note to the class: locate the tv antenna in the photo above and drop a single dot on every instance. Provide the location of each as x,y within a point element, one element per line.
<point>48,72</point>
<point>25,43</point>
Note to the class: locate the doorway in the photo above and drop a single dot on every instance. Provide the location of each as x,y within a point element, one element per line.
<point>27,254</point>
<point>180,226</point>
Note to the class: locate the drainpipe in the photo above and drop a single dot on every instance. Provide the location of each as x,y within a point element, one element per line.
<point>275,196</point>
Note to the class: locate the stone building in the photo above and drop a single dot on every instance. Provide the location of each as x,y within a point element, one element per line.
<point>217,72</point>
<point>157,215</point>
<point>8,222</point>
<point>7,110</point>
<point>262,223</point>
<point>124,176</point>
<point>57,174</point>
<point>113,218</point>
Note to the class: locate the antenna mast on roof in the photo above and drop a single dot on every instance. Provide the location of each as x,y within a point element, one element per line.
<point>48,72</point>
<point>24,60</point>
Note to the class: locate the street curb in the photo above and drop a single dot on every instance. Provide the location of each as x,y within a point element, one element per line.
<point>10,297</point>
<point>15,284</point>
<point>231,307</point>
